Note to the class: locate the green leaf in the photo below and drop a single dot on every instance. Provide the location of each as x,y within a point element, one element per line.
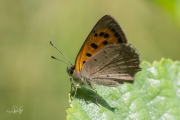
<point>155,95</point>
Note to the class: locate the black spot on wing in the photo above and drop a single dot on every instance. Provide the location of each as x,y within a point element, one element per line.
<point>120,40</point>
<point>106,35</point>
<point>101,34</point>
<point>105,42</point>
<point>116,34</point>
<point>93,45</point>
<point>113,30</point>
<point>88,54</point>
<point>95,35</point>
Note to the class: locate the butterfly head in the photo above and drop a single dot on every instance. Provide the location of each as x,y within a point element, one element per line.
<point>70,70</point>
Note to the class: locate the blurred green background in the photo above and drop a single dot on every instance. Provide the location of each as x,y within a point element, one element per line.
<point>30,78</point>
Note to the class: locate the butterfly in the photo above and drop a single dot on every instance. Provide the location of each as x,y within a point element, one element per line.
<point>106,58</point>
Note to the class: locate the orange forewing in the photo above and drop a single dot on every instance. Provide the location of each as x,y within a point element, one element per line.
<point>106,31</point>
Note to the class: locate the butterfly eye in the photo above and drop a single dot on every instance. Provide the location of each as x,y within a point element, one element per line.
<point>70,70</point>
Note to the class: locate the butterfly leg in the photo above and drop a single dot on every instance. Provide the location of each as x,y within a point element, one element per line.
<point>76,89</point>
<point>73,87</point>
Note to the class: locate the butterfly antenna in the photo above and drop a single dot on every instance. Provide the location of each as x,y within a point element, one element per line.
<point>61,54</point>
<point>59,60</point>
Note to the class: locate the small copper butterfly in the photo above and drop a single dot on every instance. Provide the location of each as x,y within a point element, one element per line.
<point>106,58</point>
